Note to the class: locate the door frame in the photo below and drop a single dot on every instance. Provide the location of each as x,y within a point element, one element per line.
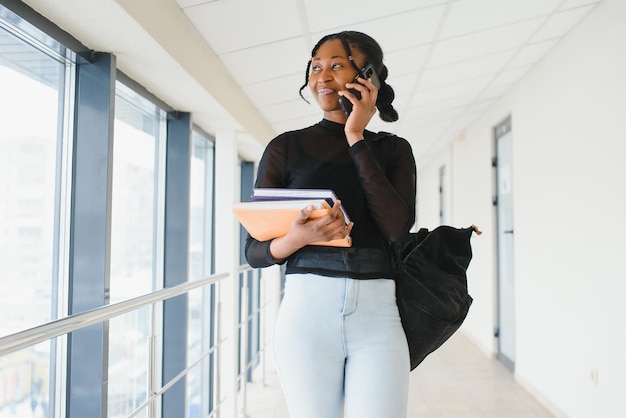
<point>501,129</point>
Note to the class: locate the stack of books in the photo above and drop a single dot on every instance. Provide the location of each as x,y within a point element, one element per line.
<point>272,211</point>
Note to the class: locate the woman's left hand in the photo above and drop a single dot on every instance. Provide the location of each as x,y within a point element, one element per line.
<point>362,110</point>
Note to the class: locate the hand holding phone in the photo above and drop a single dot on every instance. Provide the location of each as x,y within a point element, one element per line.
<point>367,72</point>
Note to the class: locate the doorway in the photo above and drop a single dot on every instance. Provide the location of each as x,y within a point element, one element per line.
<point>505,329</point>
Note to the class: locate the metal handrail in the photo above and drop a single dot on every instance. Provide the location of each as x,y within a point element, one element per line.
<point>64,326</point>
<point>56,328</point>
<point>154,395</point>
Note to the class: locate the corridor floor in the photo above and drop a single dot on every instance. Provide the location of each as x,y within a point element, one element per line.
<point>457,381</point>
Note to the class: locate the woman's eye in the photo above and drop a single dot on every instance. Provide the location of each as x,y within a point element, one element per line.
<point>318,68</point>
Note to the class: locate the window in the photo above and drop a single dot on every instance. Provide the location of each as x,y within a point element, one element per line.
<point>201,318</point>
<point>136,242</point>
<point>35,78</point>
<point>43,116</point>
<point>136,203</point>
<point>201,207</point>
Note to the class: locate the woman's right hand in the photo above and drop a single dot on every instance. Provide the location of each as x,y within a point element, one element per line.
<point>306,230</point>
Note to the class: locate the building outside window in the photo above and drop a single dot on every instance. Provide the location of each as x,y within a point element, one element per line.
<point>200,340</point>
<point>136,243</point>
<point>35,78</point>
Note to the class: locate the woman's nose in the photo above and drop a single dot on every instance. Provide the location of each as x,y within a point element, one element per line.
<point>325,75</point>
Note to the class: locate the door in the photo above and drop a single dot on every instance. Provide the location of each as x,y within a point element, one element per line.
<point>505,331</point>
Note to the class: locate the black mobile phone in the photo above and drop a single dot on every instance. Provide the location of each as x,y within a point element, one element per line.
<point>367,72</point>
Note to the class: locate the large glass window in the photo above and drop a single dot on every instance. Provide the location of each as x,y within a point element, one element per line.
<point>136,242</point>
<point>34,74</point>
<point>201,301</point>
<point>136,220</point>
<point>201,207</point>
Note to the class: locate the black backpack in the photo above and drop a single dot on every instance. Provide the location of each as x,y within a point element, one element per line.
<point>431,286</point>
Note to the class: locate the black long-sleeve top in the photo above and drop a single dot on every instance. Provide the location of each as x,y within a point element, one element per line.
<point>374,179</point>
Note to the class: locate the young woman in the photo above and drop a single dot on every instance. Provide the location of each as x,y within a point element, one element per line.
<point>339,344</point>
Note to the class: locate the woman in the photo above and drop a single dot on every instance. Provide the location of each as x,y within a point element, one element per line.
<point>339,344</point>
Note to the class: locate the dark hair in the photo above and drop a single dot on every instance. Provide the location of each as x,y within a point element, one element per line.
<point>373,54</point>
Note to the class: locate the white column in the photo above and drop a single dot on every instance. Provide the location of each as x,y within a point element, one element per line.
<point>227,260</point>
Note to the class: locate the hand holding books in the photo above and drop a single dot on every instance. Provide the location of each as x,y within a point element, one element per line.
<point>330,230</point>
<point>273,211</point>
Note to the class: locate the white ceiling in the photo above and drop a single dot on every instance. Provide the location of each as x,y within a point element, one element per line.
<point>448,60</point>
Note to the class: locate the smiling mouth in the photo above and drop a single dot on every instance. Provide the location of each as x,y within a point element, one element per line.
<point>325,91</point>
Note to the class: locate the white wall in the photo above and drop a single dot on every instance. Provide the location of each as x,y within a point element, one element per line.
<point>569,168</point>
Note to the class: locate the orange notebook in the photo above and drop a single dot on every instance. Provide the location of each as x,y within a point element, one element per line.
<point>265,220</point>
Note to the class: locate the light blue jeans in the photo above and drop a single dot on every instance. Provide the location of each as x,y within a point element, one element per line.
<point>339,347</point>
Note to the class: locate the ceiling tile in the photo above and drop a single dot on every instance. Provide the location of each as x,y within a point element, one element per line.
<point>424,136</point>
<point>445,73</point>
<point>483,43</point>
<point>235,24</point>
<point>441,118</point>
<point>561,23</point>
<point>477,108</point>
<point>492,92</point>
<point>509,77</point>
<point>441,105</point>
<point>470,16</point>
<point>285,111</point>
<point>415,28</point>
<point>328,15</point>
<point>422,132</point>
<point>421,127</point>
<point>464,70</point>
<point>531,53</point>
<point>475,85</point>
<point>277,90</point>
<point>570,4</point>
<point>403,85</point>
<point>267,62</point>
<point>405,61</point>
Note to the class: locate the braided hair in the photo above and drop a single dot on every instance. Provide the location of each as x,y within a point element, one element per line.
<point>373,54</point>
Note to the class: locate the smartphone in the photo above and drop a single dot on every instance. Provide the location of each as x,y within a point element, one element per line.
<point>367,72</point>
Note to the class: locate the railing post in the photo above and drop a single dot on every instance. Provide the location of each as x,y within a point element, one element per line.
<point>218,340</point>
<point>152,373</point>
<point>243,358</point>
<point>262,327</point>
